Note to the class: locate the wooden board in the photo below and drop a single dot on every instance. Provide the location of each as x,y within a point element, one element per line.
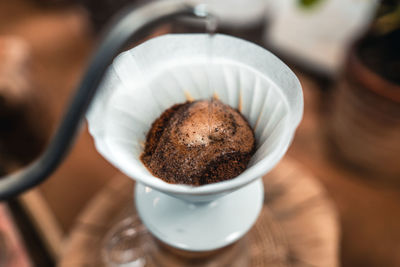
<point>297,227</point>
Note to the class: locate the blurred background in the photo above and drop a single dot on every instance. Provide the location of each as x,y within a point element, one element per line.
<point>346,54</point>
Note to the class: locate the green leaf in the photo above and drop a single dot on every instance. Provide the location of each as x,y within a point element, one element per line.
<point>308,3</point>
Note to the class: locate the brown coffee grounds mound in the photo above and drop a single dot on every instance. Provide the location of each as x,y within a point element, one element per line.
<point>199,143</point>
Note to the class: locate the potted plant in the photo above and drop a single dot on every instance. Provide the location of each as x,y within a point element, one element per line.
<point>365,118</point>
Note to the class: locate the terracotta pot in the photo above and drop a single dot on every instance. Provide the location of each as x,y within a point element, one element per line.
<point>365,121</point>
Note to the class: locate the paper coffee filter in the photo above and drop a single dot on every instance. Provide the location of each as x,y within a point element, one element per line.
<point>167,70</point>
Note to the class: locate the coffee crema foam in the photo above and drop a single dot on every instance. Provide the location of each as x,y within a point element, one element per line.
<point>198,143</point>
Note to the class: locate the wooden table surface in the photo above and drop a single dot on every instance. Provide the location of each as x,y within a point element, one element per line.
<point>298,225</point>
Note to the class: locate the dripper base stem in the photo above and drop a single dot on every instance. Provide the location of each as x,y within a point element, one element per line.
<point>199,227</point>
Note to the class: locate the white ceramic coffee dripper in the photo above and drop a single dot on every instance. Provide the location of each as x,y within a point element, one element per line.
<point>167,70</point>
